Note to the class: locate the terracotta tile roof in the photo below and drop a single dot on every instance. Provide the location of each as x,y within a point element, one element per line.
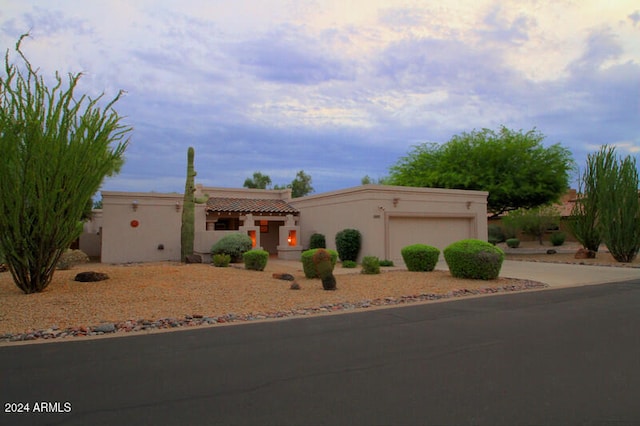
<point>249,205</point>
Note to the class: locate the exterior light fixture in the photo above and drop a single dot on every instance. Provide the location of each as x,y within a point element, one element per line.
<point>177,206</point>
<point>134,205</point>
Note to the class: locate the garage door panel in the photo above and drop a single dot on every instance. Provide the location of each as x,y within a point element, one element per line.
<point>434,231</point>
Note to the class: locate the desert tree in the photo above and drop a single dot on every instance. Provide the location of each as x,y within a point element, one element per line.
<point>515,167</point>
<point>56,151</point>
<point>258,181</point>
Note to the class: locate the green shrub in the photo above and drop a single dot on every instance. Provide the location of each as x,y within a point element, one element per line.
<point>513,243</point>
<point>496,234</point>
<point>386,262</point>
<point>420,257</point>
<point>221,260</point>
<point>474,259</point>
<point>349,264</point>
<point>255,260</point>
<point>348,243</point>
<point>317,241</point>
<point>370,265</point>
<point>235,245</point>
<point>309,267</point>
<point>557,238</point>
<point>323,262</point>
<point>70,258</point>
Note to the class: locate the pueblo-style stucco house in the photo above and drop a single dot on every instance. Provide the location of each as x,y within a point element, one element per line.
<point>145,227</point>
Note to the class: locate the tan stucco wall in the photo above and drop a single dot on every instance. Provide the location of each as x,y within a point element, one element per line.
<point>371,209</point>
<point>159,224</point>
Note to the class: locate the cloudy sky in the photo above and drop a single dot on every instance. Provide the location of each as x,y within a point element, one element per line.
<point>338,88</point>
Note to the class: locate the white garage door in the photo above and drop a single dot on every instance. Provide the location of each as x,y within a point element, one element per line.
<point>434,231</point>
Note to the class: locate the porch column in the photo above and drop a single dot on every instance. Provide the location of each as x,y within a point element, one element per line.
<point>289,237</point>
<point>249,227</point>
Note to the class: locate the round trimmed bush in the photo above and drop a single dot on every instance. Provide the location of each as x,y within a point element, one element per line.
<point>317,241</point>
<point>348,243</point>
<point>221,260</point>
<point>370,265</point>
<point>235,245</point>
<point>255,260</point>
<point>420,257</point>
<point>513,243</point>
<point>349,264</point>
<point>557,238</point>
<point>309,267</point>
<point>386,263</point>
<point>474,259</point>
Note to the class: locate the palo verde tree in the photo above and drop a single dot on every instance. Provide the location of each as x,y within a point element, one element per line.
<point>56,151</point>
<point>513,166</point>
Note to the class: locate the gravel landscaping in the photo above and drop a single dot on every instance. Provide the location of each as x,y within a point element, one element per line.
<point>168,295</point>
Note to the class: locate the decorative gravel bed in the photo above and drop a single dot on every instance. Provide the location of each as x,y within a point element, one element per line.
<point>160,296</point>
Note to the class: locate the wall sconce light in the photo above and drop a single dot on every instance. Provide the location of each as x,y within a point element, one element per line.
<point>177,206</point>
<point>134,205</point>
<point>468,205</point>
<point>395,202</point>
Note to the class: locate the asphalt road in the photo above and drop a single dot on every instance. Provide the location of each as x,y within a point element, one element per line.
<point>560,357</point>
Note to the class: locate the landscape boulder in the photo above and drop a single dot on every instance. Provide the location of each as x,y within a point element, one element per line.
<point>91,276</point>
<point>193,258</point>
<point>281,276</point>
<point>583,253</point>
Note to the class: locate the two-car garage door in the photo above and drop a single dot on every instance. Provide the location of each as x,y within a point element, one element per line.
<point>434,231</point>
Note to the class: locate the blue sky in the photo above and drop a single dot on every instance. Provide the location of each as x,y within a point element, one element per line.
<point>339,89</point>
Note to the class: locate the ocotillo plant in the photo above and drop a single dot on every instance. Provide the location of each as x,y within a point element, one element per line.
<point>188,208</point>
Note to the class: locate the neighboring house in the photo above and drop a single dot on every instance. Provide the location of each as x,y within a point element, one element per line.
<point>144,227</point>
<point>565,209</point>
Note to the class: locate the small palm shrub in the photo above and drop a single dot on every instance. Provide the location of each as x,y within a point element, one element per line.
<point>309,267</point>
<point>386,263</point>
<point>317,241</point>
<point>348,243</point>
<point>370,265</point>
<point>235,245</point>
<point>221,260</point>
<point>70,258</point>
<point>513,243</point>
<point>349,264</point>
<point>557,238</point>
<point>255,260</point>
<point>322,260</point>
<point>420,257</point>
<point>474,259</point>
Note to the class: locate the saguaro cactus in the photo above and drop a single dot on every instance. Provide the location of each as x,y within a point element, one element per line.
<point>188,209</point>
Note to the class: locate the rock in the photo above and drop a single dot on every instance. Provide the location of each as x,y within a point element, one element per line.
<point>91,276</point>
<point>583,253</point>
<point>286,277</point>
<point>3,267</point>
<point>551,251</point>
<point>295,286</point>
<point>105,328</point>
<point>193,258</point>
